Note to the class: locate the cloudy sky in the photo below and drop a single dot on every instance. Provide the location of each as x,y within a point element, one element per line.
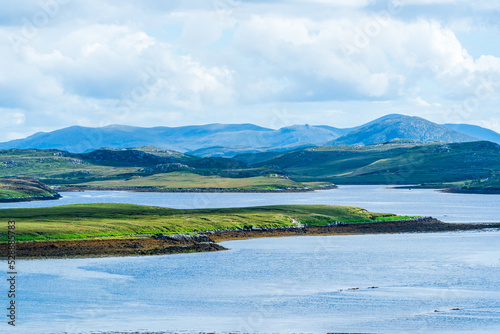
<point>272,63</point>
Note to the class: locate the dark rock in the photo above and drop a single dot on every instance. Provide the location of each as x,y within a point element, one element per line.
<point>187,238</point>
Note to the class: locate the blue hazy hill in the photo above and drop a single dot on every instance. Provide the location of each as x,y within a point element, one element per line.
<point>230,139</point>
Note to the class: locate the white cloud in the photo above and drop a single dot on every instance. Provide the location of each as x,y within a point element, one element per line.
<point>429,2</point>
<point>493,123</point>
<point>418,101</point>
<point>478,4</point>
<point>339,3</point>
<point>11,117</point>
<point>92,64</point>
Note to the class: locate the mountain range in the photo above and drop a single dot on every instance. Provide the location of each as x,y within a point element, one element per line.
<point>228,140</point>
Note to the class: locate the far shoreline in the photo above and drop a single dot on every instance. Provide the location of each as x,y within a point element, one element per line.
<point>195,190</point>
<point>449,190</point>
<point>154,190</point>
<point>30,198</point>
<point>469,191</point>
<point>222,190</point>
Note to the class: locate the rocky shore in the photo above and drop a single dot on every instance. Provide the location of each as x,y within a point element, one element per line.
<point>30,199</point>
<point>112,247</point>
<point>206,241</point>
<point>420,225</point>
<point>25,189</point>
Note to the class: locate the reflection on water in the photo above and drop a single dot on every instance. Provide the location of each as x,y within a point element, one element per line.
<point>420,202</point>
<point>369,283</point>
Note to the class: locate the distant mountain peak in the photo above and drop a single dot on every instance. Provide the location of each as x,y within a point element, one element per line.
<point>401,127</point>
<point>236,138</point>
<point>475,131</point>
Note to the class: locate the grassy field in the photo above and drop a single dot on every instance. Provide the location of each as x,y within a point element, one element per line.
<point>56,167</point>
<point>145,167</point>
<point>23,187</point>
<point>183,180</point>
<point>98,220</point>
<point>487,185</point>
<point>395,162</point>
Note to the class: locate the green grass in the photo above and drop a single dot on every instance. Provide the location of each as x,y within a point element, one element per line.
<point>175,180</point>
<point>98,220</point>
<point>54,167</point>
<point>392,218</point>
<point>489,184</point>
<point>145,167</point>
<point>22,187</point>
<point>387,163</point>
<point>392,163</point>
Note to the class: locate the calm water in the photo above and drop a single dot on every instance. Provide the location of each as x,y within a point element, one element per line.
<point>285,285</point>
<point>424,202</point>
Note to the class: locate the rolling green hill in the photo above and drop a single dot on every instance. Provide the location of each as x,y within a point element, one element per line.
<point>190,181</point>
<point>94,220</point>
<point>394,162</point>
<point>14,188</point>
<point>489,185</point>
<point>149,168</point>
<point>144,168</point>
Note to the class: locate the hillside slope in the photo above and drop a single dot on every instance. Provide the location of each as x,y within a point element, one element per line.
<point>104,219</point>
<point>77,139</point>
<point>141,169</point>
<point>402,127</point>
<point>227,140</point>
<point>389,163</point>
<point>475,131</point>
<point>15,189</point>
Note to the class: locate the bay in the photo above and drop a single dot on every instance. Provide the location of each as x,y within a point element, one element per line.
<point>366,283</point>
<point>420,202</point>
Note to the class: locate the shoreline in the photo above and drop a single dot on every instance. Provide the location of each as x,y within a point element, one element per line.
<point>30,199</point>
<point>469,191</point>
<point>194,190</point>
<point>451,190</point>
<point>153,190</point>
<point>207,241</point>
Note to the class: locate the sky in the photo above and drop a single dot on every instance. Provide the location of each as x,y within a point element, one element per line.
<point>272,63</point>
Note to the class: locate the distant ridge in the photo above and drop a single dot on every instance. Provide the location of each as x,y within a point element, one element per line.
<point>78,139</point>
<point>228,140</point>
<point>475,131</point>
<point>401,127</point>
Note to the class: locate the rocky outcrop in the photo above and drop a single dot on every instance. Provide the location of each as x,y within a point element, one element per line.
<point>181,243</point>
<point>29,199</point>
<point>107,247</point>
<point>26,189</point>
<point>184,238</point>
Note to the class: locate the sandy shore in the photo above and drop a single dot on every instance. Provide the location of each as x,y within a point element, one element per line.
<point>153,245</point>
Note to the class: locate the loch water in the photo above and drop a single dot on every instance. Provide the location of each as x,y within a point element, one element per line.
<point>399,283</point>
<point>447,207</point>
